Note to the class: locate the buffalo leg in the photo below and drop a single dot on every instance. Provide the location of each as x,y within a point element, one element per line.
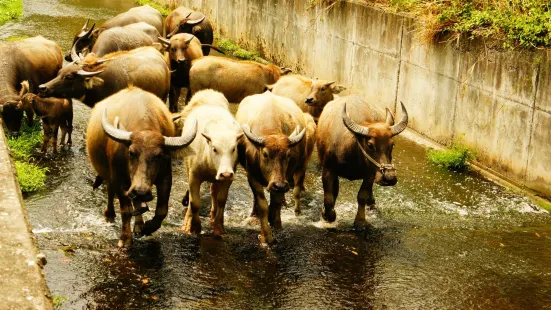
<point>56,132</point>
<point>30,117</point>
<point>173,98</point>
<point>261,211</point>
<point>299,188</point>
<point>330,192</point>
<point>63,134</point>
<point>192,221</point>
<point>138,219</point>
<point>109,212</point>
<point>274,216</point>
<point>126,216</point>
<point>161,210</point>
<point>47,134</point>
<point>365,196</point>
<point>70,130</point>
<point>214,197</point>
<point>221,190</point>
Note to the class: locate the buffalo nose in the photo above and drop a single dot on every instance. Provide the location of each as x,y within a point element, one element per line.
<point>280,187</point>
<point>181,60</point>
<point>309,100</point>
<point>226,175</point>
<point>144,194</point>
<point>42,88</point>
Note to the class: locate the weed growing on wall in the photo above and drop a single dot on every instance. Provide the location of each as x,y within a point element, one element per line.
<point>30,176</point>
<point>10,9</point>
<point>159,7</point>
<point>233,49</point>
<point>456,158</point>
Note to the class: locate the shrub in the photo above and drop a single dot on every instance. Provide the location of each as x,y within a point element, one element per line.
<point>159,7</point>
<point>30,176</point>
<point>455,158</point>
<point>10,9</point>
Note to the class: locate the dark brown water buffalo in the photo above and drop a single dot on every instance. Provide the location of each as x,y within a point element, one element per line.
<point>279,142</point>
<point>236,79</point>
<point>34,59</point>
<point>94,79</point>
<point>134,154</point>
<point>184,20</point>
<point>88,35</point>
<point>355,143</point>
<point>311,95</point>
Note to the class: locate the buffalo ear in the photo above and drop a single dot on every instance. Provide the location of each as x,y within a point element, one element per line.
<point>94,81</point>
<point>206,136</point>
<point>337,88</point>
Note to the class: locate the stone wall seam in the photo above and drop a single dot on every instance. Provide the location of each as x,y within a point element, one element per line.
<point>533,112</point>
<point>396,90</point>
<point>458,90</point>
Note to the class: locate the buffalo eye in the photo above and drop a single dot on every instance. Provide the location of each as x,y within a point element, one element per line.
<point>69,77</point>
<point>265,154</point>
<point>173,49</point>
<point>370,145</point>
<point>215,150</point>
<point>132,154</point>
<point>323,88</point>
<point>233,150</point>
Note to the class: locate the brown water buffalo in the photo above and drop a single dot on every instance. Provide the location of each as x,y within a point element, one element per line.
<point>275,153</point>
<point>184,20</point>
<point>215,157</point>
<point>93,79</point>
<point>151,31</point>
<point>134,154</point>
<point>355,142</point>
<point>87,35</point>
<point>114,40</point>
<point>55,113</point>
<point>34,59</point>
<point>311,95</point>
<point>236,79</point>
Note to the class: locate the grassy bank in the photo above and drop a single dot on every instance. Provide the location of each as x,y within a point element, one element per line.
<point>159,7</point>
<point>31,177</point>
<point>10,9</point>
<point>513,23</point>
<point>233,49</point>
<point>456,158</point>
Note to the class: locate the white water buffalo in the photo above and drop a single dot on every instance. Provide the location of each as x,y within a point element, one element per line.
<point>355,142</point>
<point>134,154</point>
<point>215,157</point>
<point>236,79</point>
<point>280,138</point>
<point>311,95</point>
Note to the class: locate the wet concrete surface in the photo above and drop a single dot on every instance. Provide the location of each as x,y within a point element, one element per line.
<point>439,240</point>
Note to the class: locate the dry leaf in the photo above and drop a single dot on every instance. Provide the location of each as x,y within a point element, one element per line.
<point>538,235</point>
<point>354,252</point>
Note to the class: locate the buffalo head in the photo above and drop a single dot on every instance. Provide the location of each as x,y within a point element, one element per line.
<point>223,152</point>
<point>186,25</point>
<point>83,41</point>
<point>376,140</point>
<point>148,154</point>
<point>273,153</point>
<point>178,46</point>
<point>322,92</point>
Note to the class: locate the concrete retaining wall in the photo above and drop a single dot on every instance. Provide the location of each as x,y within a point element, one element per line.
<point>498,103</point>
<point>22,283</point>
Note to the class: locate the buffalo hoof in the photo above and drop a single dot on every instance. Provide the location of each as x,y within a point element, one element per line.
<point>298,212</point>
<point>125,243</point>
<point>331,217</point>
<point>109,217</point>
<point>219,231</point>
<point>191,226</point>
<point>268,238</point>
<point>360,225</point>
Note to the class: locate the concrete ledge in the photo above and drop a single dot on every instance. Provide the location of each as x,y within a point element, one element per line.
<point>22,282</point>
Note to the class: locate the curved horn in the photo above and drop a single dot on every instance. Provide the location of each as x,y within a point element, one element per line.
<point>401,126</point>
<point>74,55</point>
<point>195,21</point>
<point>352,126</point>
<point>330,83</point>
<point>85,25</point>
<point>251,136</point>
<point>294,138</point>
<point>186,138</point>
<point>188,41</point>
<point>113,132</point>
<point>163,40</point>
<point>25,88</point>
<point>176,117</point>
<point>100,61</point>
<point>88,73</point>
<point>389,118</point>
<point>87,34</point>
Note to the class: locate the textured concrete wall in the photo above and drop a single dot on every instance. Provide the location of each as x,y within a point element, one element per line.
<point>495,102</point>
<point>22,283</point>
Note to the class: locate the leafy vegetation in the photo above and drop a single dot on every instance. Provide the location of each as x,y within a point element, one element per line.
<point>16,38</point>
<point>10,9</point>
<point>513,23</point>
<point>456,158</point>
<point>30,176</point>
<point>58,301</point>
<point>159,7</point>
<point>233,49</point>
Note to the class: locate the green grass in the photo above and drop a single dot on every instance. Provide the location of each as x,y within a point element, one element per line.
<point>159,7</point>
<point>10,9</point>
<point>16,38</point>
<point>30,176</point>
<point>233,49</point>
<point>456,158</point>
<point>58,301</point>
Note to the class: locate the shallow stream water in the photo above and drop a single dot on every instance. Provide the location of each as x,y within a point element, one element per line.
<point>440,240</point>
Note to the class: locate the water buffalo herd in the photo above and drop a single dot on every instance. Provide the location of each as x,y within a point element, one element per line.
<point>127,68</point>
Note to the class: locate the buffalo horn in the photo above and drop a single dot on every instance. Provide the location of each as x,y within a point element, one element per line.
<point>87,34</point>
<point>176,117</point>
<point>88,73</point>
<point>401,126</point>
<point>352,126</point>
<point>74,55</point>
<point>251,136</point>
<point>195,21</point>
<point>330,83</point>
<point>186,138</point>
<point>100,61</point>
<point>163,41</point>
<point>190,39</point>
<point>295,138</point>
<point>113,132</point>
<point>389,118</point>
<point>85,25</point>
